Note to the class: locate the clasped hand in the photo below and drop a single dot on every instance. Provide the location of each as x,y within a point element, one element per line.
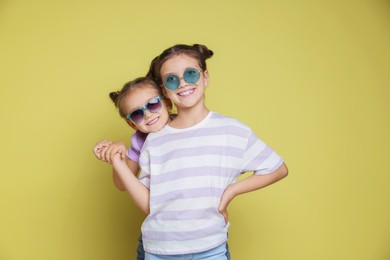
<point>106,150</point>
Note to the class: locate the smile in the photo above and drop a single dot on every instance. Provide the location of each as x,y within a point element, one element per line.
<point>151,122</point>
<point>186,93</point>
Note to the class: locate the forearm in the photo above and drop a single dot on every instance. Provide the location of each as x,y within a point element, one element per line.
<point>256,182</point>
<point>136,190</point>
<point>134,168</point>
<point>117,180</point>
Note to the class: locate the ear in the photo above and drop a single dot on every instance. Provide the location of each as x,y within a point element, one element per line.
<point>206,78</point>
<point>164,90</point>
<point>168,103</point>
<point>131,124</point>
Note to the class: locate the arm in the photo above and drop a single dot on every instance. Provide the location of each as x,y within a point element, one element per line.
<point>105,151</point>
<point>136,190</point>
<point>251,183</point>
<point>132,156</point>
<point>134,168</point>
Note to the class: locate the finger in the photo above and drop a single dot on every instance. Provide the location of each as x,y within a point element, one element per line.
<point>100,145</point>
<point>103,154</point>
<point>97,154</point>
<point>118,151</point>
<point>108,154</point>
<point>96,148</point>
<point>113,152</point>
<point>103,143</point>
<point>123,155</point>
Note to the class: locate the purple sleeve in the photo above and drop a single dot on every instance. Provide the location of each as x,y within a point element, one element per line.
<point>137,141</point>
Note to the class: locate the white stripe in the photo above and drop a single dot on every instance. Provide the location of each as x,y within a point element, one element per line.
<point>191,183</point>
<point>172,247</point>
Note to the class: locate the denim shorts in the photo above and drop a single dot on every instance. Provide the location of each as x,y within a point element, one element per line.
<point>216,253</point>
<point>141,251</point>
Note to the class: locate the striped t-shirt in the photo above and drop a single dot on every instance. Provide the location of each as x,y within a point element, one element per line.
<point>187,171</point>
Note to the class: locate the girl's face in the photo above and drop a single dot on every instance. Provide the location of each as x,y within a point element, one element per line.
<point>137,98</point>
<point>186,95</point>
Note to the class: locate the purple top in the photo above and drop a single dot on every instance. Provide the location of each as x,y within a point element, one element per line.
<point>137,141</point>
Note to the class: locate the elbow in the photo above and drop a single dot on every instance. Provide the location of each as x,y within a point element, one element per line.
<point>283,171</point>
<point>145,209</point>
<point>121,188</point>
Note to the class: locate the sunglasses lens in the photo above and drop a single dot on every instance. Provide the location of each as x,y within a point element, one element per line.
<point>191,75</point>
<point>137,116</point>
<point>171,82</point>
<point>154,105</point>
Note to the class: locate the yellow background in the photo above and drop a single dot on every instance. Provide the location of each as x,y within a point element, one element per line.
<point>310,77</point>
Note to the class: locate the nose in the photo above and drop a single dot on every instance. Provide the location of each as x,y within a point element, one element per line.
<point>182,82</point>
<point>147,113</point>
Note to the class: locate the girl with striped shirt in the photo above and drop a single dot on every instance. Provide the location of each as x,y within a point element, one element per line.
<point>191,165</point>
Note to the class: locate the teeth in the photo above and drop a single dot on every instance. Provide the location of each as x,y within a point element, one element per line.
<point>153,121</point>
<point>186,93</point>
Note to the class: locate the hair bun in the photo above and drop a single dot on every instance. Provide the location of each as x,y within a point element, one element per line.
<point>114,96</point>
<point>206,52</point>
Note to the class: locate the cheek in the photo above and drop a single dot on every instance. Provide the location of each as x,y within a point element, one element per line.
<point>169,94</point>
<point>131,124</point>
<point>164,112</point>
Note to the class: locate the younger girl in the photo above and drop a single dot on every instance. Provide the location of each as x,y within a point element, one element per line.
<point>142,104</point>
<point>191,165</point>
<point>144,108</point>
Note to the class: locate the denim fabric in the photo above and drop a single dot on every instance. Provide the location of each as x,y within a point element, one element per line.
<point>140,249</point>
<point>216,253</point>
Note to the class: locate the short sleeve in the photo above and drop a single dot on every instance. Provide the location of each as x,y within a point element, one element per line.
<point>137,142</point>
<point>259,157</point>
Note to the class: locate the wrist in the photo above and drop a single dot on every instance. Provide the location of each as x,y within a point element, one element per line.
<point>117,160</point>
<point>231,190</point>
<point>230,193</point>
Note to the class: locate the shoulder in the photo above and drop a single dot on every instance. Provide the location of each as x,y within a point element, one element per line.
<point>139,135</point>
<point>138,138</point>
<point>223,120</point>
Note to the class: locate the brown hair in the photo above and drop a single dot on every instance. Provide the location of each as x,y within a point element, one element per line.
<point>118,97</point>
<point>197,51</point>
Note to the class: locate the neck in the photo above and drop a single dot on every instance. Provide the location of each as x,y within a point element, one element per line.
<point>187,117</point>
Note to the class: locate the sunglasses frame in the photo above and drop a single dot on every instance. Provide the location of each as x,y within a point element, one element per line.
<point>180,78</point>
<point>145,107</point>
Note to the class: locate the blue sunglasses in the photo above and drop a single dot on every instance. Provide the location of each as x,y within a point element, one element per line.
<point>190,75</point>
<point>137,115</point>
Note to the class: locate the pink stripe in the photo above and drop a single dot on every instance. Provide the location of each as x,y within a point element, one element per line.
<point>185,214</point>
<point>195,172</point>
